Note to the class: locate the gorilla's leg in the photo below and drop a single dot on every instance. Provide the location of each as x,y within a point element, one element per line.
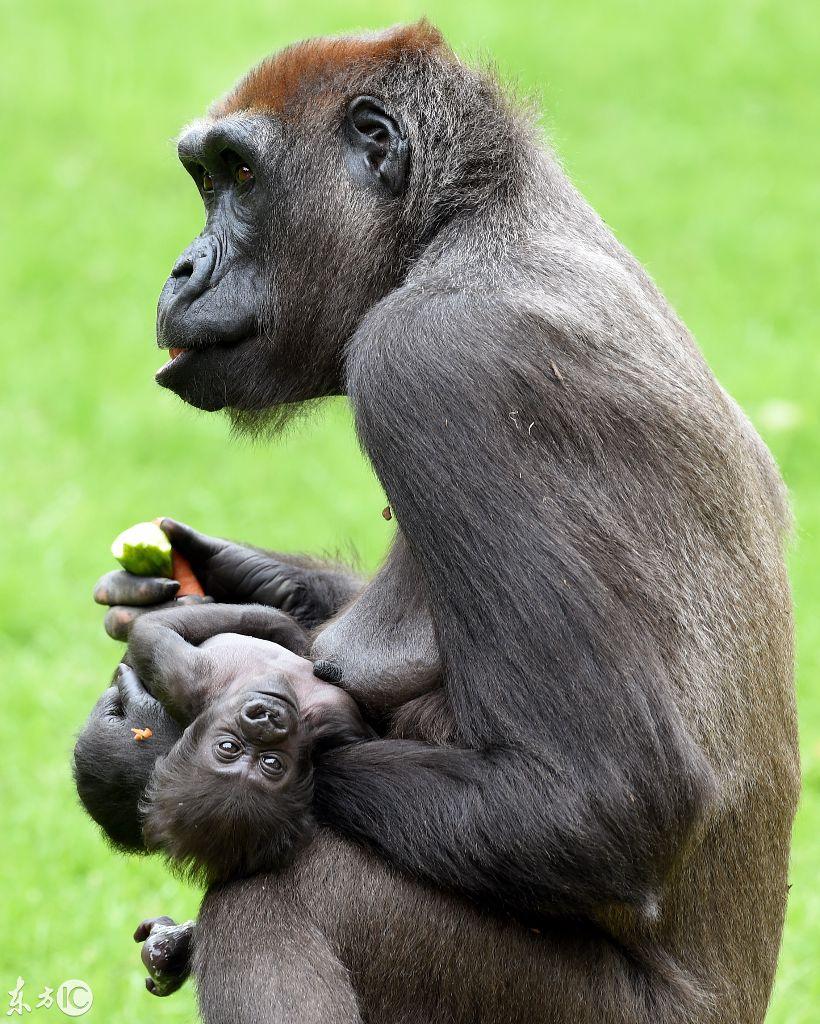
<point>340,937</point>
<point>259,959</point>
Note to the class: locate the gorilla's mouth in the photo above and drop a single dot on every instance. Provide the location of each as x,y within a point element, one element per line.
<point>213,375</point>
<point>175,355</point>
<point>182,361</point>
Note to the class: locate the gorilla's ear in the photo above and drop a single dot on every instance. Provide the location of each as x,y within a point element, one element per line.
<point>377,146</point>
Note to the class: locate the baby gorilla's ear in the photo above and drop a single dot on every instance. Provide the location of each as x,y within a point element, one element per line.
<point>112,766</point>
<point>214,826</point>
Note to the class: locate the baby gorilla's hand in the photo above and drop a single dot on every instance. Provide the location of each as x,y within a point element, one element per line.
<point>166,953</point>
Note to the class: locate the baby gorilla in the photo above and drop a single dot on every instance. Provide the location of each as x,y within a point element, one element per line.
<point>232,794</point>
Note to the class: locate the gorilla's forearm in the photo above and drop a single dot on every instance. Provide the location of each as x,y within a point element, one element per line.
<point>309,589</point>
<point>163,649</point>
<point>505,828</point>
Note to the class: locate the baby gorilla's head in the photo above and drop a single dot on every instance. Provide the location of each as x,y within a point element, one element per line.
<point>234,796</point>
<point>112,766</point>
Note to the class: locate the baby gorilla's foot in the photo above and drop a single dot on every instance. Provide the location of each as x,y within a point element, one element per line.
<point>166,953</point>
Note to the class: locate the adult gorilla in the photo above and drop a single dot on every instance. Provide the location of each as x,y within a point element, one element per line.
<point>590,535</point>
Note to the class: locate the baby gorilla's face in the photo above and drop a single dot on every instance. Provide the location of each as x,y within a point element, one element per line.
<point>234,795</point>
<point>254,735</point>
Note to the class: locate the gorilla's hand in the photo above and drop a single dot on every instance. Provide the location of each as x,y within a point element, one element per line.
<point>228,572</point>
<point>311,591</point>
<point>166,953</point>
<point>238,573</point>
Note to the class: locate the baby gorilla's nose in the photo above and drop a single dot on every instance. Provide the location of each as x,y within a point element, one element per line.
<point>264,718</point>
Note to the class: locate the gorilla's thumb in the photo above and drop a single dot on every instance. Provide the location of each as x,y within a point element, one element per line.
<point>196,547</point>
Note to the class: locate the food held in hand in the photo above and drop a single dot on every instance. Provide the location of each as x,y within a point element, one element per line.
<point>188,583</point>
<point>144,550</point>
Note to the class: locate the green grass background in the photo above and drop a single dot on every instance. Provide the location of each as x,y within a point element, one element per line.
<point>691,125</point>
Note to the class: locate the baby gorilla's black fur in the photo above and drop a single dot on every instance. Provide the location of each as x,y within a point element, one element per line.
<point>214,828</point>
<point>232,794</point>
<point>112,768</point>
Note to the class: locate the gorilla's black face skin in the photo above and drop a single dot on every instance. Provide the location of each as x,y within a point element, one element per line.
<point>247,324</point>
<point>210,310</point>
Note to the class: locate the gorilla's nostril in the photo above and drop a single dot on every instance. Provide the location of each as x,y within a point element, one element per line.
<point>182,270</point>
<point>262,711</point>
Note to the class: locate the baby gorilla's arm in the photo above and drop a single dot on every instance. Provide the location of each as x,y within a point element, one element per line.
<point>162,648</point>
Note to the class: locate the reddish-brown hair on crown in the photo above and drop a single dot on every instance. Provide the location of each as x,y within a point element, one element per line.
<point>275,83</point>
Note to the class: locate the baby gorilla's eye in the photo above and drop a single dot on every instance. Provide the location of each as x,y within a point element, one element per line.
<point>228,750</point>
<point>207,183</point>
<point>243,174</point>
<point>272,764</point>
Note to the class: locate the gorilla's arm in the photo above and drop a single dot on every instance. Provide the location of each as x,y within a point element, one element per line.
<point>580,784</point>
<point>163,650</point>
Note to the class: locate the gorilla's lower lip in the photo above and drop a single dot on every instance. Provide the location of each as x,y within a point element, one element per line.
<point>181,356</point>
<point>175,354</point>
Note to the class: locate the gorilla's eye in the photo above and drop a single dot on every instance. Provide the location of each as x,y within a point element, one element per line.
<point>228,750</point>
<point>271,764</point>
<point>243,174</point>
<point>207,183</point>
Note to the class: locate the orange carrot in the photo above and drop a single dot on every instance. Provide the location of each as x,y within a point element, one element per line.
<point>182,571</point>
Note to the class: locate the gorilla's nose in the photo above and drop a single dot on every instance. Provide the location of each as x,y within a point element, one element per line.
<point>193,270</point>
<point>264,718</point>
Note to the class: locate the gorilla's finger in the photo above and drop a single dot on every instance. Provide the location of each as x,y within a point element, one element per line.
<point>144,928</point>
<point>131,689</point>
<point>196,547</point>
<point>120,618</point>
<point>120,587</point>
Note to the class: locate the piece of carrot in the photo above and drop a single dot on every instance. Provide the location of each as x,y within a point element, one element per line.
<point>182,571</point>
<point>189,585</point>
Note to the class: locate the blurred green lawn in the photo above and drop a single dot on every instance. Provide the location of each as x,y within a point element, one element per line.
<point>693,128</point>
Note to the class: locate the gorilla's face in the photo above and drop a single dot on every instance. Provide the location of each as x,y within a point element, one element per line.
<point>300,241</point>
